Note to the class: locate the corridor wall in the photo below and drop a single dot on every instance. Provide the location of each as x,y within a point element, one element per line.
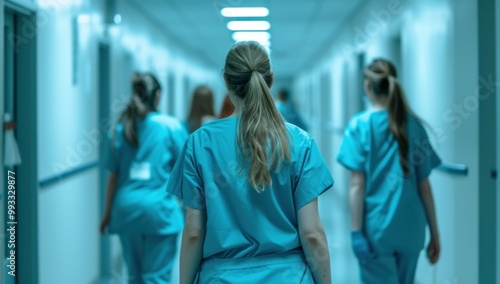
<point>434,44</point>
<point>70,131</point>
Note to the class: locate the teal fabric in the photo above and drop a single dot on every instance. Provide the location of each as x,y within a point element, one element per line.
<point>150,258</point>
<point>389,269</point>
<point>242,223</point>
<point>143,205</point>
<point>394,216</point>
<point>290,268</point>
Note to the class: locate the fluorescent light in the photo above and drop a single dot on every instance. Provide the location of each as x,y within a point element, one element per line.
<point>83,19</point>
<point>265,44</point>
<point>257,36</point>
<point>245,12</point>
<point>117,19</point>
<point>248,25</point>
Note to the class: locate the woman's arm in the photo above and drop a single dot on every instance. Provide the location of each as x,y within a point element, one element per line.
<point>193,238</point>
<point>314,243</point>
<point>110,195</point>
<point>356,199</point>
<point>434,248</point>
<point>360,244</point>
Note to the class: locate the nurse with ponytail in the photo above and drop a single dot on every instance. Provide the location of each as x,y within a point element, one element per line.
<point>144,149</point>
<point>390,158</point>
<point>250,184</point>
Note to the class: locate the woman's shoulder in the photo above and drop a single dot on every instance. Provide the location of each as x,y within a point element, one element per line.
<point>207,119</point>
<point>363,119</point>
<point>298,136</point>
<point>416,126</point>
<point>218,125</point>
<point>214,130</point>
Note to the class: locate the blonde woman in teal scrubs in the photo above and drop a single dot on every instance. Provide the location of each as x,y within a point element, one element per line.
<point>250,184</point>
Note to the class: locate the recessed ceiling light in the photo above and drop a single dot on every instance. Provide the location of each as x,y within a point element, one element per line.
<point>117,19</point>
<point>257,36</point>
<point>83,19</point>
<point>245,12</point>
<point>249,25</point>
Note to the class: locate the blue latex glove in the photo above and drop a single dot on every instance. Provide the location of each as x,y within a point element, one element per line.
<point>361,247</point>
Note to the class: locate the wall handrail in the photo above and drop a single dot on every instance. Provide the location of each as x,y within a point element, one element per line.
<point>454,169</point>
<point>67,174</point>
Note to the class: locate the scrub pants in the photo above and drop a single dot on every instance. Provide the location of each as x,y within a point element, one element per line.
<point>389,269</point>
<point>290,268</point>
<point>149,258</point>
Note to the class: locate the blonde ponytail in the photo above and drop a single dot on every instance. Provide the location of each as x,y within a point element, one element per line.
<point>261,134</point>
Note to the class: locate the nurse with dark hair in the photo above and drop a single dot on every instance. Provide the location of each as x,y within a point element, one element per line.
<point>387,150</point>
<point>143,152</point>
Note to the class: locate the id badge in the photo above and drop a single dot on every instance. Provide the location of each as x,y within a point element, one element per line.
<point>140,171</point>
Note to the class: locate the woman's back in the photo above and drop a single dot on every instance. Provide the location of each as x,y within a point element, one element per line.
<point>143,171</point>
<point>250,185</point>
<point>240,221</point>
<point>390,197</point>
<point>371,148</point>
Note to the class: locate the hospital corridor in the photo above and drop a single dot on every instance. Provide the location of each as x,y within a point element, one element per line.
<point>250,141</point>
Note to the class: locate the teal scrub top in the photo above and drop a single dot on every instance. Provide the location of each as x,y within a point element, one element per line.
<point>394,216</point>
<point>240,221</point>
<point>141,203</point>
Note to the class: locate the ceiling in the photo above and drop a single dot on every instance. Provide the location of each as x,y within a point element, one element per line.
<point>300,29</point>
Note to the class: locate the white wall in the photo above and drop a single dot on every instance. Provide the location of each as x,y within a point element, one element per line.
<point>466,144</point>
<point>438,69</point>
<point>153,51</point>
<point>433,84</point>
<point>69,211</point>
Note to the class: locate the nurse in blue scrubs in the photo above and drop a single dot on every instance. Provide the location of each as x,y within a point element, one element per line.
<point>287,110</point>
<point>144,148</point>
<point>250,184</point>
<point>390,158</point>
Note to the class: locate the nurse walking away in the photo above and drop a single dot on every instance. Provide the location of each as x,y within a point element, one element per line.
<point>287,110</point>
<point>390,157</point>
<point>250,184</point>
<point>144,149</point>
<point>202,109</point>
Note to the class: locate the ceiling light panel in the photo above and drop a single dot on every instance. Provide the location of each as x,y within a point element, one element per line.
<point>257,36</point>
<point>245,12</point>
<point>248,25</point>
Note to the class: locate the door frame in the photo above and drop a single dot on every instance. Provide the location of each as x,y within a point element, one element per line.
<point>487,144</point>
<point>497,24</point>
<point>104,51</point>
<point>25,115</point>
